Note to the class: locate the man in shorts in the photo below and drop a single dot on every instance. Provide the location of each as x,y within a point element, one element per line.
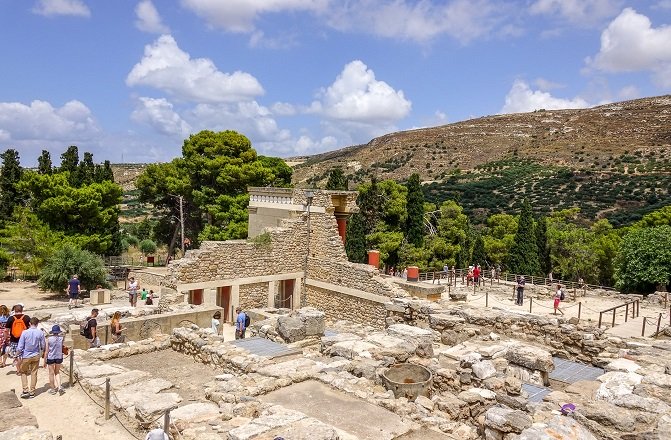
<point>74,289</point>
<point>132,291</point>
<point>14,336</point>
<point>91,329</point>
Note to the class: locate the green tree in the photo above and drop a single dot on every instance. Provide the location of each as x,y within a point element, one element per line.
<point>147,247</point>
<point>370,202</point>
<point>69,164</point>
<point>479,256</point>
<point>44,165</point>
<point>605,245</point>
<point>453,230</point>
<point>571,249</point>
<point>86,170</point>
<point>523,257</point>
<point>415,220</point>
<point>355,239</point>
<point>10,175</point>
<point>499,237</point>
<point>87,215</point>
<point>656,218</point>
<point>337,180</point>
<point>70,260</point>
<point>644,260</point>
<point>543,248</point>
<point>104,172</point>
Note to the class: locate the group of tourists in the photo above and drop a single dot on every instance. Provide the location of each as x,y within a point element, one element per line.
<point>133,287</point>
<point>242,321</point>
<point>26,344</point>
<point>558,296</point>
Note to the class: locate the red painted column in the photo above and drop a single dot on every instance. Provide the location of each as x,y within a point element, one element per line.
<point>374,259</point>
<point>413,273</point>
<point>342,228</point>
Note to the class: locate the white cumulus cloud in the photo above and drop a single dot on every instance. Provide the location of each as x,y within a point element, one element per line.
<point>160,115</point>
<point>581,12</point>
<point>51,8</point>
<point>240,15</point>
<point>148,18</point>
<point>168,68</point>
<point>521,98</point>
<point>631,43</point>
<point>357,96</point>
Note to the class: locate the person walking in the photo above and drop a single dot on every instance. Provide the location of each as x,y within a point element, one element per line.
<point>215,322</point>
<point>91,329</point>
<point>29,351</point>
<point>240,324</point>
<point>520,290</point>
<point>4,335</point>
<point>74,289</point>
<point>132,291</point>
<point>116,329</point>
<point>53,358</point>
<point>558,297</point>
<point>16,325</point>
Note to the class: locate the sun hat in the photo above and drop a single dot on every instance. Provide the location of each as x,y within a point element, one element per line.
<point>56,330</point>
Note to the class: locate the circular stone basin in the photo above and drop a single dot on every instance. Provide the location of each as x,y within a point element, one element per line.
<point>408,380</point>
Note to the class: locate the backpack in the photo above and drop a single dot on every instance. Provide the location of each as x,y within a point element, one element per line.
<point>247,320</point>
<point>18,326</point>
<point>84,329</point>
<point>561,294</point>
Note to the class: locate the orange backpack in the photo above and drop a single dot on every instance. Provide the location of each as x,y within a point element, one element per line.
<point>18,326</point>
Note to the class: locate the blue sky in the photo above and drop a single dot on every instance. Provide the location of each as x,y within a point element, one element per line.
<point>130,80</point>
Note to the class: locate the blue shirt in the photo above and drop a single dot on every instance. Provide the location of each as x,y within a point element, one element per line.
<point>55,347</point>
<point>31,343</point>
<point>240,321</point>
<point>73,285</point>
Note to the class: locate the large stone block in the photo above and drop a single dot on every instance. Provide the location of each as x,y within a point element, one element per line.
<point>291,328</point>
<point>559,427</point>
<point>507,420</point>
<point>530,357</point>
<point>421,337</point>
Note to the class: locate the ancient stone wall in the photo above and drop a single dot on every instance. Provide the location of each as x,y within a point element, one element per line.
<point>341,306</point>
<point>147,278</point>
<point>253,296</point>
<point>571,340</point>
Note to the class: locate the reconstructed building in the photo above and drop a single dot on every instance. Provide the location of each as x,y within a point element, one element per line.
<point>295,256</point>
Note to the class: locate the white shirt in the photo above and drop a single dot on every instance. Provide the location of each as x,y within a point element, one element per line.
<point>215,326</point>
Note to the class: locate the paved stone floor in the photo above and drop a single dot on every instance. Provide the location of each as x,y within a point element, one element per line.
<point>570,372</point>
<point>349,414</point>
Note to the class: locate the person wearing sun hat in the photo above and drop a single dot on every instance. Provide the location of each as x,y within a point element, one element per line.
<point>53,358</point>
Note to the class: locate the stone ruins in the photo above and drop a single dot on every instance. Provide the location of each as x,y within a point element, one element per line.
<point>338,351</point>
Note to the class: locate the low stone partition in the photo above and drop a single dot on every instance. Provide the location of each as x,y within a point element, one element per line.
<point>567,338</point>
<point>147,277</point>
<point>146,326</point>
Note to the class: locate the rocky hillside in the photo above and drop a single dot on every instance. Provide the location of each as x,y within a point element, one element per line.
<point>581,139</point>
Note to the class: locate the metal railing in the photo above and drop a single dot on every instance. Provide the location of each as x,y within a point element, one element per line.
<point>635,310</point>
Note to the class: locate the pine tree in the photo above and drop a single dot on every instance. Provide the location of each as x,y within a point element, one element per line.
<point>10,174</point>
<point>543,248</point>
<point>370,203</point>
<point>415,222</point>
<point>44,163</point>
<point>355,239</point>
<point>337,180</point>
<point>523,257</point>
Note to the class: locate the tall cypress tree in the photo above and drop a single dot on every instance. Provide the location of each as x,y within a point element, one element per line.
<point>10,174</point>
<point>542,244</point>
<point>370,203</point>
<point>415,221</point>
<point>479,256</point>
<point>69,163</point>
<point>355,239</point>
<point>86,169</point>
<point>44,163</point>
<point>523,256</point>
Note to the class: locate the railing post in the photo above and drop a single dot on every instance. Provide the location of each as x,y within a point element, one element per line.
<point>614,316</point>
<point>626,313</point>
<point>659,323</point>
<point>166,422</point>
<point>487,299</point>
<point>72,367</point>
<point>638,308</point>
<point>107,398</point>
<point>473,287</point>
<point>600,316</point>
<point>643,331</point>
<point>579,308</point>
<point>531,303</point>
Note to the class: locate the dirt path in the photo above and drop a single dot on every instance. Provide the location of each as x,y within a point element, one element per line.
<point>73,415</point>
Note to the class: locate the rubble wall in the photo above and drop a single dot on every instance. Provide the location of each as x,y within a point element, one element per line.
<point>339,306</point>
<point>578,341</point>
<point>253,296</point>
